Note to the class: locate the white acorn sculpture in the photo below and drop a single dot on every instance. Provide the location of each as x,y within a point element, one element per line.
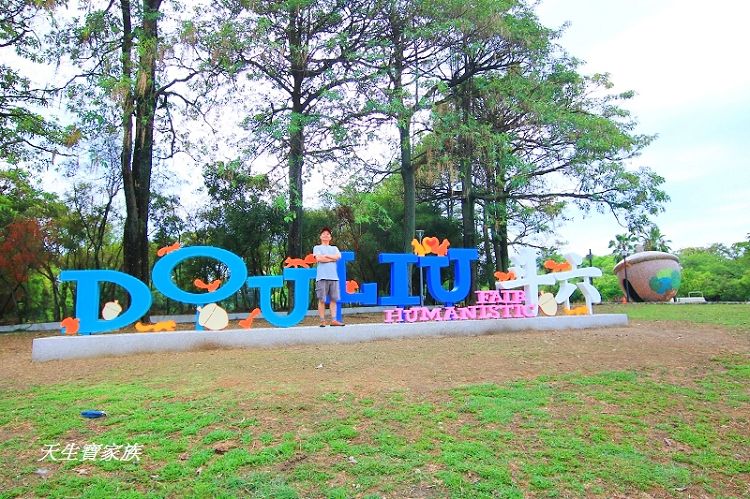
<point>547,304</point>
<point>213,317</point>
<point>111,310</point>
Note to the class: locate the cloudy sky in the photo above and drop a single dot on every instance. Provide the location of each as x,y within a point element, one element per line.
<point>688,63</point>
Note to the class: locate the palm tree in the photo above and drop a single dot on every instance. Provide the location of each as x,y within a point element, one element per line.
<point>622,245</point>
<point>654,240</point>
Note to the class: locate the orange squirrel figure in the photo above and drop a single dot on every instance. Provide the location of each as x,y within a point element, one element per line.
<point>211,286</point>
<point>419,249</point>
<point>582,310</point>
<point>71,325</point>
<point>553,266</point>
<point>159,326</point>
<point>168,249</point>
<point>442,248</point>
<point>505,276</point>
<point>247,322</point>
<point>299,262</point>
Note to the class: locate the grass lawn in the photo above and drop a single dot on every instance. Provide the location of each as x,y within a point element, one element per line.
<point>614,433</point>
<point>733,315</point>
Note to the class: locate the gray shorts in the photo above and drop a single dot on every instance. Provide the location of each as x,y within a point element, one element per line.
<point>326,287</point>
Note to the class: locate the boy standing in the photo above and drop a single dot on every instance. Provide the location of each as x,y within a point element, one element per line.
<point>327,278</point>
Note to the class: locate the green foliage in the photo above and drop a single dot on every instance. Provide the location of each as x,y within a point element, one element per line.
<point>608,286</point>
<point>26,134</point>
<point>19,197</point>
<point>720,273</point>
<point>508,110</point>
<point>241,217</point>
<point>29,223</point>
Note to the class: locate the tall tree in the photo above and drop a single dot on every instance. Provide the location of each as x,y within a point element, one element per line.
<point>27,219</point>
<point>304,51</point>
<point>133,78</point>
<point>430,49</point>
<point>539,141</point>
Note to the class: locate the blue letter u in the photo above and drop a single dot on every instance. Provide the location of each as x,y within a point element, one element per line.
<point>301,278</point>
<point>461,274</point>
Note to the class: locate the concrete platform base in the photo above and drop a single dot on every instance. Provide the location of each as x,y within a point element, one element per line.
<point>113,344</point>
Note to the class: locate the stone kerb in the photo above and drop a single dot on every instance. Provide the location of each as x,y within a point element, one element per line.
<point>113,344</point>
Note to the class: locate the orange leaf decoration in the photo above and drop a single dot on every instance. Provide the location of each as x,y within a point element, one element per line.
<point>212,286</point>
<point>553,266</point>
<point>430,244</point>
<point>505,276</point>
<point>168,249</point>
<point>156,327</point>
<point>351,286</point>
<point>582,310</point>
<point>71,325</point>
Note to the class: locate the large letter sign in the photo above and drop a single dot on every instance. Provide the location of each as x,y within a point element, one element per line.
<point>87,298</point>
<point>462,286</point>
<point>369,291</point>
<point>301,278</point>
<point>399,285</point>
<point>162,274</point>
<point>493,304</point>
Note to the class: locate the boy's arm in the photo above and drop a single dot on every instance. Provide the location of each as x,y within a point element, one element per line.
<point>321,258</point>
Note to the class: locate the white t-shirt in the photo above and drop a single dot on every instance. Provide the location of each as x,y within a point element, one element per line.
<point>326,270</point>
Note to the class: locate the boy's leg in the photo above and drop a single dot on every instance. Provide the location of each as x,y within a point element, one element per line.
<point>320,292</point>
<point>334,298</point>
<point>322,309</point>
<point>333,310</point>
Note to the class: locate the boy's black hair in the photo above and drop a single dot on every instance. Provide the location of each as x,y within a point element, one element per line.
<point>326,229</point>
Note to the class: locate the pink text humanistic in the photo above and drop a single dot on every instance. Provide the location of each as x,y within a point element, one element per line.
<point>491,304</point>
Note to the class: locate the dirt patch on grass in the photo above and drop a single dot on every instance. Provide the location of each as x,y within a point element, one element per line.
<point>418,365</point>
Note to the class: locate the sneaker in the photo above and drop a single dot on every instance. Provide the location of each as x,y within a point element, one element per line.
<point>323,323</point>
<point>337,323</point>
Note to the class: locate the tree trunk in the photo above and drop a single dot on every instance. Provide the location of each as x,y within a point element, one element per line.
<point>137,162</point>
<point>296,142</point>
<point>126,156</point>
<point>409,178</point>
<point>468,219</point>
<point>500,215</point>
<point>500,236</point>
<point>403,123</point>
<point>489,264</point>
<point>296,161</point>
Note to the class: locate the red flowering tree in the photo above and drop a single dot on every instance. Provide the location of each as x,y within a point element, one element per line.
<point>22,250</point>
